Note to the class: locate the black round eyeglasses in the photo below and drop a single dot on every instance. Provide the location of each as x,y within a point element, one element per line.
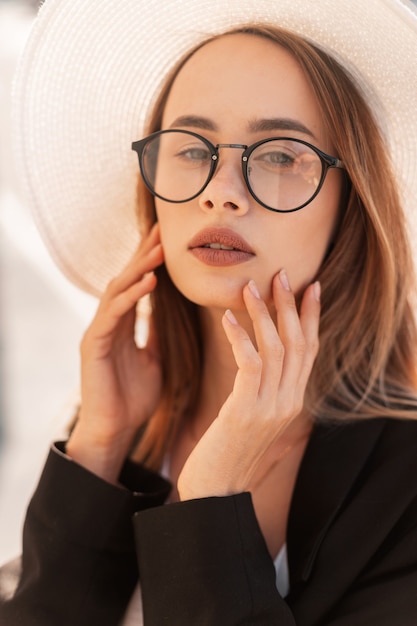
<point>283,174</point>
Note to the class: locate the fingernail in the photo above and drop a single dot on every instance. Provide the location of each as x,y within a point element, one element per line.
<point>231,318</point>
<point>284,280</point>
<point>254,289</point>
<point>317,290</point>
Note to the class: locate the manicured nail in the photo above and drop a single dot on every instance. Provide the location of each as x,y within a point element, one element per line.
<point>284,280</point>
<point>254,289</point>
<point>230,317</point>
<point>317,290</point>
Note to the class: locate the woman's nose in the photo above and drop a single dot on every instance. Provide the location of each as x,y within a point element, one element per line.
<point>227,190</point>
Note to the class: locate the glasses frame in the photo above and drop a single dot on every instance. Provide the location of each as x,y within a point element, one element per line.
<point>327,162</point>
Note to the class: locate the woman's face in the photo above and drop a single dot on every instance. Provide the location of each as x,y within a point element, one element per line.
<point>240,89</point>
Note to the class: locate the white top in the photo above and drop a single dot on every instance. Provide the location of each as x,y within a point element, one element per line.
<point>134,613</point>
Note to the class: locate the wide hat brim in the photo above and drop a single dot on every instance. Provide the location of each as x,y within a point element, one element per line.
<point>91,70</point>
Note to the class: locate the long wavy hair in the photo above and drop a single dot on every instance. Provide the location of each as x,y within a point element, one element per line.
<point>366,366</point>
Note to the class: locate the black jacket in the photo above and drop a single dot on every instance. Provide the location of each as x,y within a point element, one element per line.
<point>352,543</point>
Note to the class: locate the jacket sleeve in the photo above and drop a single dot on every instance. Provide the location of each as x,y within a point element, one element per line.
<point>78,563</point>
<point>205,562</point>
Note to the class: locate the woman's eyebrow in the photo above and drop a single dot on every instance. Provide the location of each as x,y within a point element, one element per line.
<point>279,123</point>
<point>254,126</point>
<point>195,121</point>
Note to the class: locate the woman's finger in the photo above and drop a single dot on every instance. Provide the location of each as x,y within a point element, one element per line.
<point>247,359</point>
<point>151,239</point>
<point>290,331</point>
<point>109,314</point>
<point>310,322</point>
<point>147,257</point>
<point>269,344</point>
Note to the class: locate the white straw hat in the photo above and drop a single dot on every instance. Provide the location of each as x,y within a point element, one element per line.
<point>92,68</point>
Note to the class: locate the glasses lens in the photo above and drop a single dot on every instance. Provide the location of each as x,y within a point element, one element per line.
<point>284,174</point>
<point>176,165</point>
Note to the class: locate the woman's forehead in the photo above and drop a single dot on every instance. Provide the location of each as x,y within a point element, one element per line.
<point>241,78</point>
<point>236,56</point>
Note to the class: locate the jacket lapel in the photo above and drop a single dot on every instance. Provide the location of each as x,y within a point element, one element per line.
<point>333,460</point>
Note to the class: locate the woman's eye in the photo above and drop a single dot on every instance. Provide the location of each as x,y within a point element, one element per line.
<point>281,158</point>
<point>194,155</point>
<point>277,158</point>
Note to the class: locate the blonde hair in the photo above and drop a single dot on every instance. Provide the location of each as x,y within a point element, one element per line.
<point>366,365</point>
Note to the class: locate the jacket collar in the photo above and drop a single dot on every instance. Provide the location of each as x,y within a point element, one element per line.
<point>334,457</point>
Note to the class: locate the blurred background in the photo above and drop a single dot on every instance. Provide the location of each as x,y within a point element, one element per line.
<point>42,318</point>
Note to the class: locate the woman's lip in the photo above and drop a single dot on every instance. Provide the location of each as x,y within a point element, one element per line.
<point>222,236</point>
<point>219,257</point>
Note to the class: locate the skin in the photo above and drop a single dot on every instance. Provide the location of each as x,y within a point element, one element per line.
<point>271,86</point>
<point>250,411</point>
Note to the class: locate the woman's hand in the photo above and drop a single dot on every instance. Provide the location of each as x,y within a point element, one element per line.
<point>120,383</point>
<point>268,391</point>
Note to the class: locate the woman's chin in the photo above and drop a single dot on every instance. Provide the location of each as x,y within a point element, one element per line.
<point>218,294</point>
<point>218,289</point>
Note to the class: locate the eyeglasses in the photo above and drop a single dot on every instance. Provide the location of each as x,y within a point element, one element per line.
<point>282,174</point>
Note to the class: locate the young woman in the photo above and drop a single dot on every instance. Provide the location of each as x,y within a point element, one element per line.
<point>254,460</point>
